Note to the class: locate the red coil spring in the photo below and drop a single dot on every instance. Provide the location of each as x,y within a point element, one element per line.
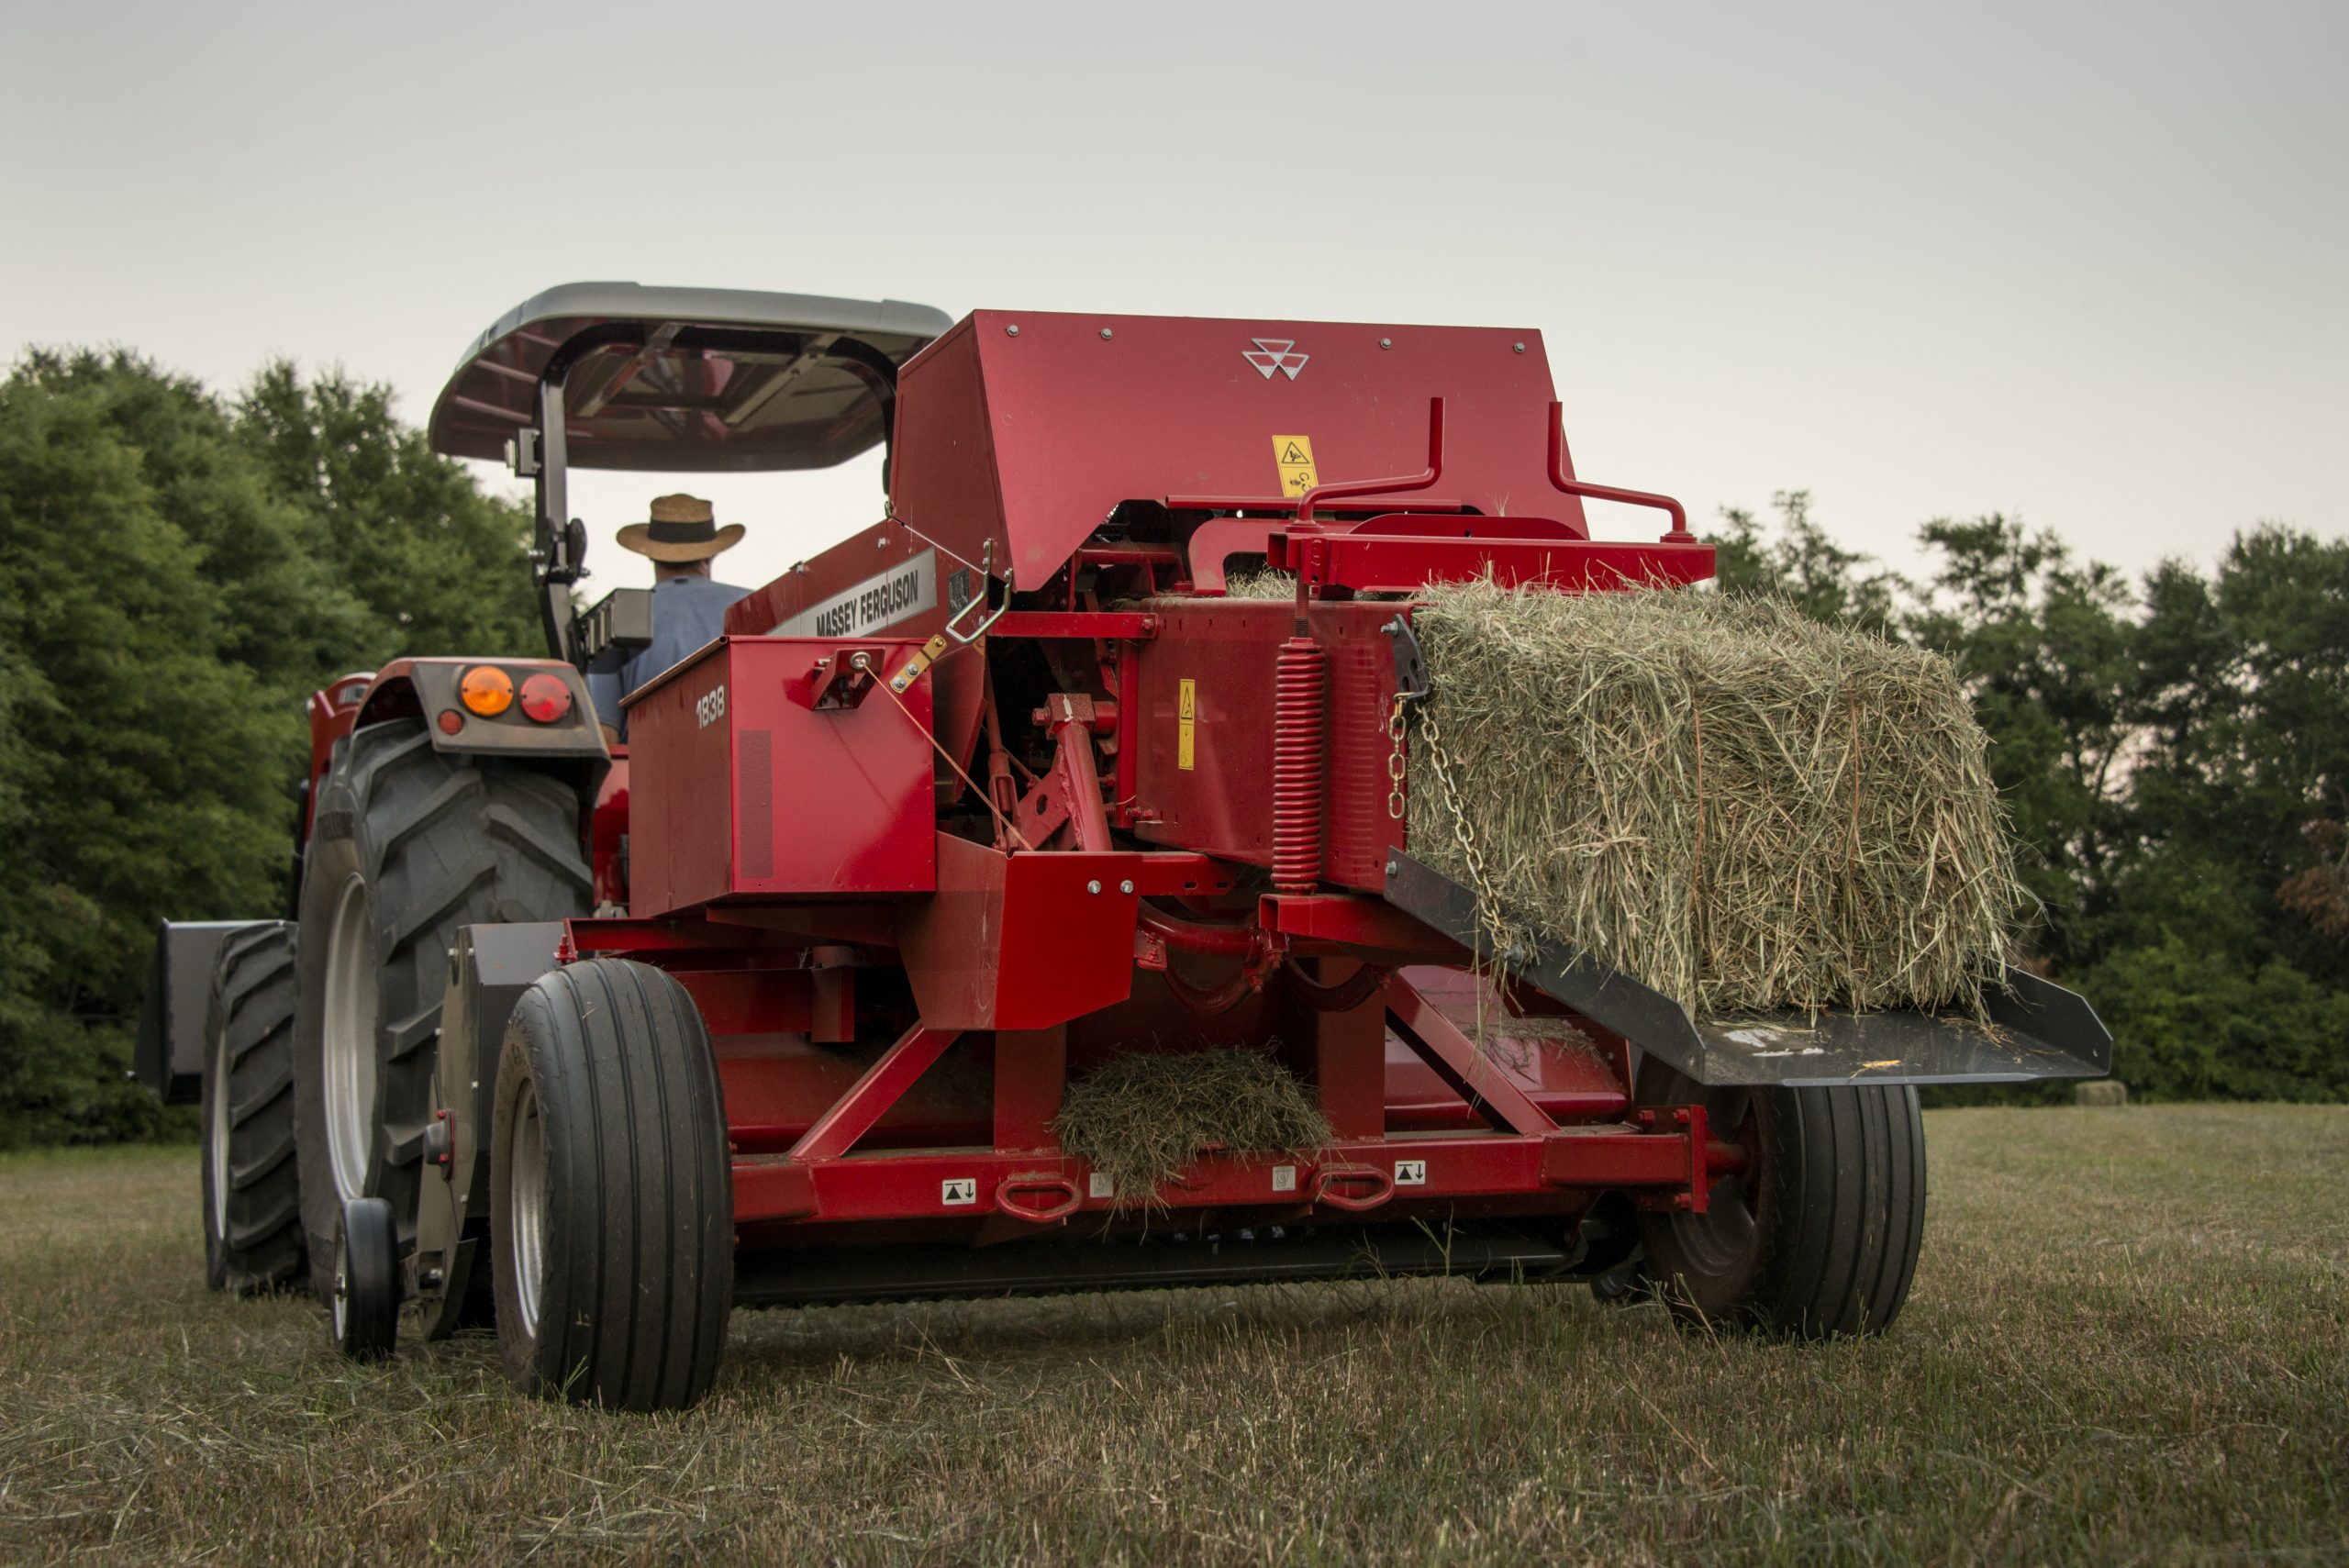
<point>1300,689</point>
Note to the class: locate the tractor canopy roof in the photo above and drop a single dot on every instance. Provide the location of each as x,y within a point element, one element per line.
<point>688,378</point>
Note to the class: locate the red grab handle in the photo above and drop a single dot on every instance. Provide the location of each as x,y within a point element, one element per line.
<point>1017,1195</point>
<point>1326,1186</point>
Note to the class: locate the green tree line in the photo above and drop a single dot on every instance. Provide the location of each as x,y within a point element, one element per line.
<point>178,572</point>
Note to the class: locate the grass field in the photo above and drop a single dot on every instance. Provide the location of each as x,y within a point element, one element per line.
<point>2128,1342</point>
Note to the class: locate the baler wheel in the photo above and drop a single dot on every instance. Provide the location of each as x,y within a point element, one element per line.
<point>1818,1235</point>
<point>611,1193</point>
<point>252,1189</point>
<point>409,844</point>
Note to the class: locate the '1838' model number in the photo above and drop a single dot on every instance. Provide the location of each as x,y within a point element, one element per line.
<point>710,706</point>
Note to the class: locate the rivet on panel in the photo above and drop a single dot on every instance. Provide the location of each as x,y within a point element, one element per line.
<point>1011,328</point>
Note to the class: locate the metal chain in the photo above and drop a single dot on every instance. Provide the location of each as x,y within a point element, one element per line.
<point>1447,790</point>
<point>1397,725</point>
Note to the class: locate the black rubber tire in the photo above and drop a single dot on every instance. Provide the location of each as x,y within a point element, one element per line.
<point>252,1183</point>
<point>1818,1237</point>
<point>438,842</point>
<point>365,1299</point>
<point>632,1195</point>
<point>1625,1285</point>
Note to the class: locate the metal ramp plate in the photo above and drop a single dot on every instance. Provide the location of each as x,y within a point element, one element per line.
<point>2037,1030</point>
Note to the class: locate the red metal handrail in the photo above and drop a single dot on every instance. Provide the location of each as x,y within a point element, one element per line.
<point>1396,485</point>
<point>1677,534</point>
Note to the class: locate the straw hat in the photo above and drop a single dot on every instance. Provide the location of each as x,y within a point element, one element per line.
<point>683,529</point>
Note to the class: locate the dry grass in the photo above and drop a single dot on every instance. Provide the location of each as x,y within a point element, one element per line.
<point>1739,807</point>
<point>1260,581</point>
<point>1143,1117</point>
<point>2129,1343</point>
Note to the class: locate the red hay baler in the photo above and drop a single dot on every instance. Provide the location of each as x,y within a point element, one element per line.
<point>779,1003</point>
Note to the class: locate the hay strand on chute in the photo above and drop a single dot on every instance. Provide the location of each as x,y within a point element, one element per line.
<point>1142,1118</point>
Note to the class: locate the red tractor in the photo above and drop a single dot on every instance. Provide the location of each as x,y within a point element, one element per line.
<point>779,1003</point>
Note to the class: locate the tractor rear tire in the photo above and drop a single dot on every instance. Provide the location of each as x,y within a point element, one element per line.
<point>611,1193</point>
<point>252,1187</point>
<point>407,845</point>
<point>1818,1236</point>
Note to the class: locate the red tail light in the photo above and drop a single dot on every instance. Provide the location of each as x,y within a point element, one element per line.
<point>545,697</point>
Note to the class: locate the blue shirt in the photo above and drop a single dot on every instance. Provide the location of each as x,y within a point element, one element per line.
<point>687,613</point>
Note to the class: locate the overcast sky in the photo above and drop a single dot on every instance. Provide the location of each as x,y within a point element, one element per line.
<point>2085,263</point>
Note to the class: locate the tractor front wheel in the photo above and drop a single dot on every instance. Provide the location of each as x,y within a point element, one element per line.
<point>1816,1235</point>
<point>611,1195</point>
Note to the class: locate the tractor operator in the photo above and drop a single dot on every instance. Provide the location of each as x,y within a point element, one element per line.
<point>688,605</point>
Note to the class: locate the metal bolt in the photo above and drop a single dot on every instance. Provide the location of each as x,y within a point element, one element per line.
<point>1126,886</point>
<point>1092,887</point>
<point>1387,342</point>
<point>1680,1117</point>
<point>1011,328</point>
<point>1518,347</point>
<point>1105,333</point>
<point>1683,1200</point>
<point>1390,868</point>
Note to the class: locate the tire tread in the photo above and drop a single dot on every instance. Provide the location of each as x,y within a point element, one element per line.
<point>641,1224</point>
<point>249,1057</point>
<point>1838,1218</point>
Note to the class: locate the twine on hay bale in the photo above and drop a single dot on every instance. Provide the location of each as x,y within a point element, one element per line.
<point>1142,1118</point>
<point>1741,808</point>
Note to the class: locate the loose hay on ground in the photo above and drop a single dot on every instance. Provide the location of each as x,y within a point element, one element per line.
<point>1741,808</point>
<point>1142,1118</point>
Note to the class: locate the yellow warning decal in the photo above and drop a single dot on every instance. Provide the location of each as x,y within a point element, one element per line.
<point>1186,714</point>
<point>1293,454</point>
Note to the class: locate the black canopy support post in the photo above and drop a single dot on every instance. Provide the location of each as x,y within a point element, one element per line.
<point>552,571</point>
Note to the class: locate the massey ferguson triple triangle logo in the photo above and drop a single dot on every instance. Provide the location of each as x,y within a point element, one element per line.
<point>1273,354</point>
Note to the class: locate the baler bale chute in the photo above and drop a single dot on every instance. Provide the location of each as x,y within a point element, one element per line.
<point>896,881</point>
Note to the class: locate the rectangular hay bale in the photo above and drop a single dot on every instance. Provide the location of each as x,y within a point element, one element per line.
<point>1741,808</point>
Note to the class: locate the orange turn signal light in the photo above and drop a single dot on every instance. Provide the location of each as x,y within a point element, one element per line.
<point>487,690</point>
